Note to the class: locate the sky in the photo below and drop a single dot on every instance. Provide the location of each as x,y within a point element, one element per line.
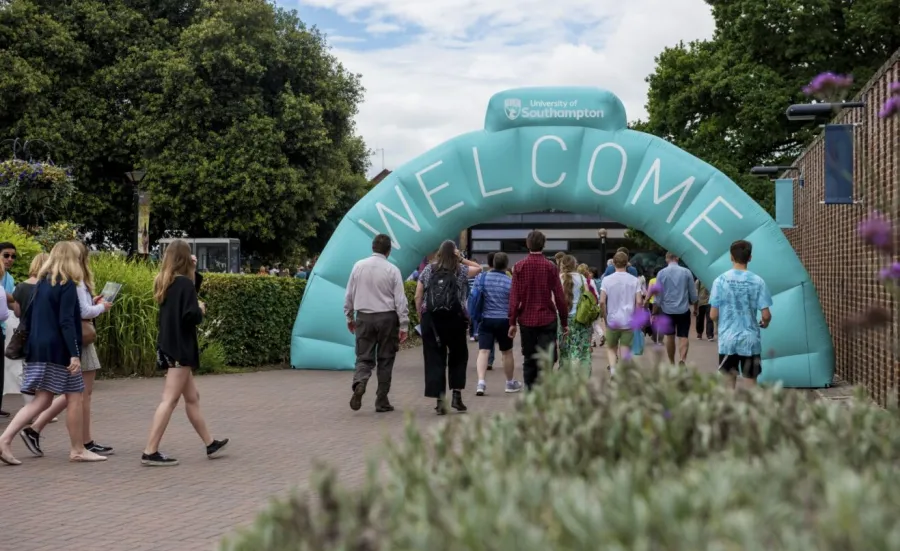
<point>430,66</point>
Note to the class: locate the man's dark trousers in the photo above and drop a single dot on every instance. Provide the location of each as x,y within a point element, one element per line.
<point>534,340</point>
<point>377,343</point>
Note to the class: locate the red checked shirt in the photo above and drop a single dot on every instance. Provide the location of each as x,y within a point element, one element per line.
<point>535,281</point>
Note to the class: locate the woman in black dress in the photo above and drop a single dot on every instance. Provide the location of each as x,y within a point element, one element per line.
<point>177,351</point>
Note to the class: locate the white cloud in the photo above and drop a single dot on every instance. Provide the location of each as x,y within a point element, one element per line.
<point>425,92</point>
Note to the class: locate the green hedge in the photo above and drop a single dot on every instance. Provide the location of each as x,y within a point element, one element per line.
<point>662,458</point>
<point>26,247</point>
<point>248,323</point>
<point>253,316</point>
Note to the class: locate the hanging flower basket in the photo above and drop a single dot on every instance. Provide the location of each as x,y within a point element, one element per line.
<point>35,176</point>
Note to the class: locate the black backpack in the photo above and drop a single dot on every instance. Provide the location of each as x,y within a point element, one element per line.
<point>443,295</point>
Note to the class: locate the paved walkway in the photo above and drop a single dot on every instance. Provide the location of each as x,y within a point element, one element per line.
<point>280,423</point>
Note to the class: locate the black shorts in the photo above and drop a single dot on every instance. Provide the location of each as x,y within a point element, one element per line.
<point>681,324</point>
<point>494,330</point>
<point>749,367</point>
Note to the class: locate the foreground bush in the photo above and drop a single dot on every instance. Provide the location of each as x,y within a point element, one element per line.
<point>661,459</point>
<point>410,288</point>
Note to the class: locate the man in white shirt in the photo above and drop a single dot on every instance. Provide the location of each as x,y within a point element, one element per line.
<point>620,297</point>
<point>378,314</point>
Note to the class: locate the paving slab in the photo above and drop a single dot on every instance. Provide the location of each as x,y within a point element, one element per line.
<point>281,424</point>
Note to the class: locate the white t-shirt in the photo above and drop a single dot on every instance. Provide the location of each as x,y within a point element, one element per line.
<point>578,282</point>
<point>620,289</point>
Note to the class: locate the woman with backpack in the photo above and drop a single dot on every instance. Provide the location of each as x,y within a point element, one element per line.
<point>574,346</point>
<point>440,299</point>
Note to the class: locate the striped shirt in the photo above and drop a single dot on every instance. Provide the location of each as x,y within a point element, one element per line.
<point>496,294</point>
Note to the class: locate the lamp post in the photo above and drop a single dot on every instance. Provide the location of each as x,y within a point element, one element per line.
<point>601,233</point>
<point>819,111</point>
<point>773,171</point>
<point>381,149</point>
<point>136,177</point>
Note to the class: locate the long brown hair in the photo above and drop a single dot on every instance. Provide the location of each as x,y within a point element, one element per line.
<point>63,264</point>
<point>567,265</point>
<point>176,262</point>
<point>86,266</point>
<point>446,257</point>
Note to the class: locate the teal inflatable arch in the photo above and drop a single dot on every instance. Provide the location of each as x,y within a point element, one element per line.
<point>568,149</point>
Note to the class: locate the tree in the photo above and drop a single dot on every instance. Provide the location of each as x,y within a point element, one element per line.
<point>241,118</point>
<point>723,100</point>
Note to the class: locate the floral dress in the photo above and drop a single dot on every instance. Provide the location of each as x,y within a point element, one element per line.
<point>575,346</point>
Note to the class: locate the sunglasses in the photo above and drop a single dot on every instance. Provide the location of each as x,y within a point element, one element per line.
<point>9,255</point>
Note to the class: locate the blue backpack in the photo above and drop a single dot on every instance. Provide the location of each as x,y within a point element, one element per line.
<point>475,305</point>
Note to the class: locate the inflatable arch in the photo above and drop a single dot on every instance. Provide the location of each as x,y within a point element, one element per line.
<point>568,149</point>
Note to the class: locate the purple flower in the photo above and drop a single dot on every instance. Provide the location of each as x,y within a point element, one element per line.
<point>627,355</point>
<point>829,86</point>
<point>894,89</point>
<point>667,414</point>
<point>639,320</point>
<point>662,324</point>
<point>891,106</point>
<point>891,272</point>
<point>654,290</point>
<point>877,231</point>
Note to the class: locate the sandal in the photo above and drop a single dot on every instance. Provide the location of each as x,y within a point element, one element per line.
<point>86,457</point>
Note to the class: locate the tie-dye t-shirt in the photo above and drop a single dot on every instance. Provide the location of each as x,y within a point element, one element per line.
<point>739,296</point>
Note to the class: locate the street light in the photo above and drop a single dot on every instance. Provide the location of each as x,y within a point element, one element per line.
<point>819,111</point>
<point>773,171</point>
<point>601,233</point>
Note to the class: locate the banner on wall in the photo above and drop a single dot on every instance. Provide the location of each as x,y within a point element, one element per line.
<point>839,164</point>
<point>143,225</point>
<point>784,203</point>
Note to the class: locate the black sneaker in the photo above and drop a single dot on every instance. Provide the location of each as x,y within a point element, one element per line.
<point>98,449</point>
<point>158,460</point>
<point>213,450</point>
<point>32,439</point>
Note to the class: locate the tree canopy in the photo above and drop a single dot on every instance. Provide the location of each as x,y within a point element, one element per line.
<point>238,113</point>
<point>723,100</point>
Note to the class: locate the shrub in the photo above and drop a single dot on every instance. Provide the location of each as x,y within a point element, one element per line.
<point>51,234</point>
<point>257,314</point>
<point>126,335</point>
<point>410,288</point>
<point>26,247</point>
<point>662,458</point>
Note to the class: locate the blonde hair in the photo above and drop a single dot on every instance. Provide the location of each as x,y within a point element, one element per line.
<point>584,270</point>
<point>176,262</point>
<point>567,265</point>
<point>36,264</point>
<point>63,264</point>
<point>86,266</point>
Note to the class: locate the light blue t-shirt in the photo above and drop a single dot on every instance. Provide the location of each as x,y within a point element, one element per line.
<point>739,296</point>
<point>9,286</point>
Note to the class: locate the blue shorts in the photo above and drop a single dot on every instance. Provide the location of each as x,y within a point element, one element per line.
<point>494,330</point>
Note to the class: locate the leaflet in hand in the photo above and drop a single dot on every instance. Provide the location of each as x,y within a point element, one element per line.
<point>111,291</point>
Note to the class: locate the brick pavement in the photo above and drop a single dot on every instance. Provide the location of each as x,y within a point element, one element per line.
<point>280,423</point>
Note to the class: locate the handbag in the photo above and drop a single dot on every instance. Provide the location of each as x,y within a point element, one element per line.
<point>637,345</point>
<point>88,332</point>
<point>15,350</point>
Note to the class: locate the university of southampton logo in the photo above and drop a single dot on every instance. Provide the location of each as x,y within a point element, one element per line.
<point>513,108</point>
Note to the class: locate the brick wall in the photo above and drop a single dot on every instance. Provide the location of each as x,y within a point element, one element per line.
<point>842,269</point>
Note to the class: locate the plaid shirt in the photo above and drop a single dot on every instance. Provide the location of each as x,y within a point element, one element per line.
<point>535,281</point>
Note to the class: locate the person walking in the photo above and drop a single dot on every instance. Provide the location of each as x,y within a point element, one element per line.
<point>441,298</point>
<point>736,297</point>
<point>701,312</point>
<point>620,298</point>
<point>676,297</point>
<point>378,315</point>
<point>53,352</point>
<point>494,332</point>
<point>574,344</point>
<point>91,308</point>
<point>22,295</point>
<point>536,302</point>
<point>8,256</point>
<point>178,352</point>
